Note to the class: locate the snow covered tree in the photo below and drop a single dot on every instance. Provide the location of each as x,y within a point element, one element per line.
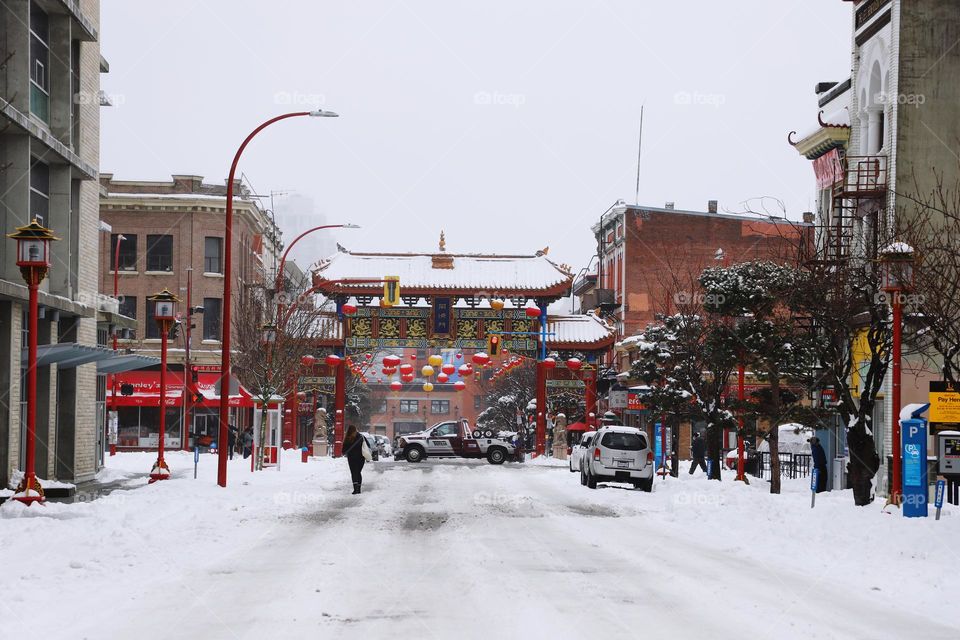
<point>772,340</point>
<point>685,360</point>
<point>507,397</point>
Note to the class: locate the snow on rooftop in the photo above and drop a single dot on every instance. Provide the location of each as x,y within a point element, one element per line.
<point>584,329</point>
<point>417,271</point>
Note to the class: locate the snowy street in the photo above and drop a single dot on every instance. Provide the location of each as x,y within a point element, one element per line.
<point>465,549</point>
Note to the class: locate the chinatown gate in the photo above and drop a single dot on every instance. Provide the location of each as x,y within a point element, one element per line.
<point>458,301</point>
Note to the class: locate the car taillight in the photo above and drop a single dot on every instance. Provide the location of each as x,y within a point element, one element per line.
<point>650,457</point>
<point>596,453</point>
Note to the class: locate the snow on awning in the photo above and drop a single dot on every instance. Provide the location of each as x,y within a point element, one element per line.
<point>463,272</point>
<point>582,329</point>
<point>67,355</point>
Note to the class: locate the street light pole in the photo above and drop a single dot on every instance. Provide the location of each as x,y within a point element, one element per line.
<point>33,258</point>
<point>163,314</point>
<point>116,296</point>
<point>227,293</point>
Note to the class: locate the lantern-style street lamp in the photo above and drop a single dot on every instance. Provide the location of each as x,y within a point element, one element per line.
<point>268,334</point>
<point>164,313</point>
<point>33,258</point>
<point>896,270</point>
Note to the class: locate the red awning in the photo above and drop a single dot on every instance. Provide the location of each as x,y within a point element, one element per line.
<point>579,426</point>
<point>146,390</point>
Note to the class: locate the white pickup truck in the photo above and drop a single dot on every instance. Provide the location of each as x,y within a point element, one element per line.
<point>454,439</point>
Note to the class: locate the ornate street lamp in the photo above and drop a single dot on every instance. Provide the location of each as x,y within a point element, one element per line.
<point>33,258</point>
<point>896,270</point>
<point>164,314</point>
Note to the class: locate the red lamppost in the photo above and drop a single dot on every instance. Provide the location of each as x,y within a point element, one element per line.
<point>227,286</point>
<point>164,306</point>
<point>897,276</point>
<point>33,258</point>
<point>116,296</point>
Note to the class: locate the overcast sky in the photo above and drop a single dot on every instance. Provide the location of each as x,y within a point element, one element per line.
<point>510,125</point>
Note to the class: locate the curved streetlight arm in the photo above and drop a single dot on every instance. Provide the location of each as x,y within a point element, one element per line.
<point>283,258</point>
<point>227,295</point>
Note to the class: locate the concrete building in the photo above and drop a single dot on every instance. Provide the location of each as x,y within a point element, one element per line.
<point>169,234</point>
<point>50,67</point>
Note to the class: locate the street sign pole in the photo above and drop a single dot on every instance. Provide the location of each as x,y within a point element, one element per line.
<point>814,477</point>
<point>938,496</point>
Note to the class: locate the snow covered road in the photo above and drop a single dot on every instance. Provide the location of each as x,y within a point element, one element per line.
<point>464,549</point>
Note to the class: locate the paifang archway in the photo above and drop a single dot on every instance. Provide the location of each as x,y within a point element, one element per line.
<point>445,303</point>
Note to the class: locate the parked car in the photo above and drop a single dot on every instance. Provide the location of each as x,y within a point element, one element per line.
<point>618,454</point>
<point>579,450</point>
<point>384,448</point>
<point>372,443</point>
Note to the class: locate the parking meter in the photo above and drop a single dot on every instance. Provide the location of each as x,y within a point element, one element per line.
<point>948,463</point>
<point>914,455</point>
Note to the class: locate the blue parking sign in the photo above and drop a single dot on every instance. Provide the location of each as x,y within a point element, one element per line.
<point>914,456</point>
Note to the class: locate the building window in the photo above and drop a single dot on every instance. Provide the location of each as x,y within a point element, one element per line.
<point>128,306</point>
<point>39,191</point>
<point>39,63</point>
<point>152,330</point>
<point>160,253</point>
<point>409,406</point>
<point>211,319</point>
<point>212,255</point>
<point>127,258</point>
<point>440,406</point>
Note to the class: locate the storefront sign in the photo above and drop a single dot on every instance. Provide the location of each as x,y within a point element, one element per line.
<point>633,402</point>
<point>617,399</point>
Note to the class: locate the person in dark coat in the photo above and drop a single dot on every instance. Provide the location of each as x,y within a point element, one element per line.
<point>353,450</point>
<point>231,439</point>
<point>246,442</point>
<point>819,463</point>
<point>698,449</point>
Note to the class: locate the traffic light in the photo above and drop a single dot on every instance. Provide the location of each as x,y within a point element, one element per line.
<point>391,291</point>
<point>494,342</point>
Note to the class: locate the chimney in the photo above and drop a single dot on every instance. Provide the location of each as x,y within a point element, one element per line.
<point>808,217</point>
<point>711,206</point>
<point>669,205</point>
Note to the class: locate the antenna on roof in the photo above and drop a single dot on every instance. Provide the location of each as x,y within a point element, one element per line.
<point>636,199</point>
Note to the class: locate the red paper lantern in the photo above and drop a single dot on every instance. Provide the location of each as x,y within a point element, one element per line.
<point>532,312</point>
<point>407,377</point>
<point>348,309</point>
<point>396,386</point>
<point>448,369</point>
<point>333,360</point>
<point>391,361</point>
<point>465,370</point>
<point>308,360</point>
<point>413,357</point>
<point>368,356</point>
<point>406,369</point>
<point>481,358</point>
<point>574,364</point>
<point>459,356</point>
<point>442,377</point>
<point>549,363</point>
<point>459,385</point>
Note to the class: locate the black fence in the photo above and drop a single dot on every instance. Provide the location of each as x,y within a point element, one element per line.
<point>792,465</point>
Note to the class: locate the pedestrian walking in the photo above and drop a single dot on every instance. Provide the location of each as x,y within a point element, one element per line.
<point>246,442</point>
<point>353,447</point>
<point>231,439</point>
<point>698,449</point>
<point>819,463</point>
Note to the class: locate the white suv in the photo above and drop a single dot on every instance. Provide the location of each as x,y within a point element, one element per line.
<point>618,454</point>
<point>579,451</point>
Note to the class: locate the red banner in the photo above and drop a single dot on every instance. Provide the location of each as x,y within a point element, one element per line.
<point>828,169</point>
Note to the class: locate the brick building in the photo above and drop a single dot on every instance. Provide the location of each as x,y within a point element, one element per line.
<point>50,67</point>
<point>164,235</point>
<point>649,256</point>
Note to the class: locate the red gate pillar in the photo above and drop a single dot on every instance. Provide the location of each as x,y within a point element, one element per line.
<point>590,397</point>
<point>541,408</point>
<point>291,416</point>
<point>339,407</point>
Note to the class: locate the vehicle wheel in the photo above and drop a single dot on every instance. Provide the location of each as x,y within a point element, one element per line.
<point>645,484</point>
<point>591,481</point>
<point>583,477</point>
<point>415,454</point>
<point>496,455</point>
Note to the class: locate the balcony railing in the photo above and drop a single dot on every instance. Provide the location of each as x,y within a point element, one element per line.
<point>866,175</point>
